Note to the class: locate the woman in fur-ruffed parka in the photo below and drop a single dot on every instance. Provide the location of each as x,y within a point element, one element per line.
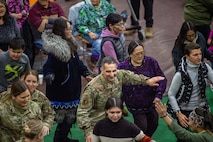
<point>63,70</point>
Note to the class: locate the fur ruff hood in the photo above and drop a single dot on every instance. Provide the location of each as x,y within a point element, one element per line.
<point>56,46</point>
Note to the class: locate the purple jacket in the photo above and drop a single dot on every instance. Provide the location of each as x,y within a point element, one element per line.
<point>139,98</point>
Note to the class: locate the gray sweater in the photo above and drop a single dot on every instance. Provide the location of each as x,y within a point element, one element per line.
<point>8,30</point>
<point>195,99</point>
<point>11,70</point>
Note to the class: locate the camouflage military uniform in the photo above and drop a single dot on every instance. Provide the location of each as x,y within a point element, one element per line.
<point>13,118</point>
<point>95,95</point>
<point>48,113</point>
<point>37,96</point>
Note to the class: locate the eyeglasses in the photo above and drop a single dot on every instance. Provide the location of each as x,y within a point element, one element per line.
<point>138,54</point>
<point>119,24</point>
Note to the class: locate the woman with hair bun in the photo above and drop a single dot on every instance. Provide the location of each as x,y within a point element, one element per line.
<point>33,131</point>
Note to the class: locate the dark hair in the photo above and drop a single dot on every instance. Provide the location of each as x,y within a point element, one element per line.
<point>133,44</point>
<point>17,43</point>
<point>113,18</point>
<point>5,17</point>
<point>18,87</point>
<point>108,60</point>
<point>59,27</point>
<point>186,26</point>
<point>33,72</point>
<point>189,47</point>
<point>114,102</point>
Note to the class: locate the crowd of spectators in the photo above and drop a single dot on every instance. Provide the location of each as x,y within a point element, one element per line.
<point>125,74</point>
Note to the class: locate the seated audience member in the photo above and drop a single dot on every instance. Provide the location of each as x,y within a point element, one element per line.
<point>91,21</point>
<point>113,40</point>
<point>114,127</point>
<point>140,99</point>
<point>8,27</point>
<point>16,111</point>
<point>33,131</point>
<point>19,9</point>
<point>189,34</point>
<point>199,120</point>
<point>13,63</point>
<point>42,16</point>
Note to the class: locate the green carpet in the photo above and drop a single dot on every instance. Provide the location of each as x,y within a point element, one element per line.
<point>162,134</point>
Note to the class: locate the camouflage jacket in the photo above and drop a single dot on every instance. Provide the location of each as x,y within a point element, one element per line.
<point>37,96</point>
<point>13,118</point>
<point>96,93</point>
<point>48,113</point>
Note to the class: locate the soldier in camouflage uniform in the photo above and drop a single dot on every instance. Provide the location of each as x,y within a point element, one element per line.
<point>48,114</point>
<point>15,111</point>
<point>108,83</point>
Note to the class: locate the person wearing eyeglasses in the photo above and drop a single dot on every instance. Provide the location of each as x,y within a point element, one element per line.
<point>115,128</point>
<point>140,99</point>
<point>188,33</point>
<point>113,40</point>
<point>188,87</point>
<point>200,121</point>
<point>90,22</point>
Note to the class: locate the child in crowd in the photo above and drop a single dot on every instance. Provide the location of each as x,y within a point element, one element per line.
<point>13,63</point>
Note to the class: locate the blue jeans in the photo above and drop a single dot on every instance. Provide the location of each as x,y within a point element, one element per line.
<point>38,43</point>
<point>96,44</point>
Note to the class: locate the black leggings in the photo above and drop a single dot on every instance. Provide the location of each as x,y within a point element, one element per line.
<point>62,132</point>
